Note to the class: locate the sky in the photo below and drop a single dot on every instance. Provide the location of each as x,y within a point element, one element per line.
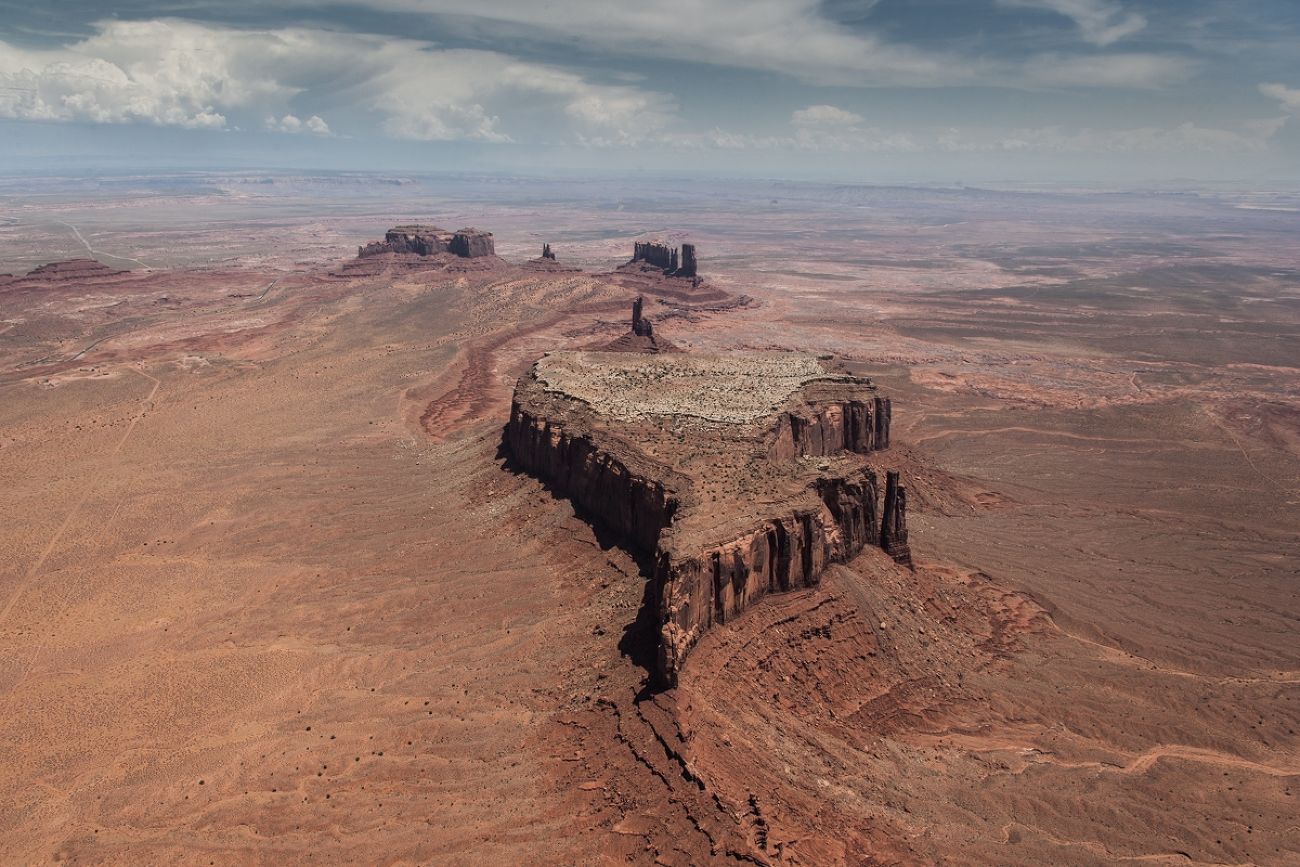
<point>946,91</point>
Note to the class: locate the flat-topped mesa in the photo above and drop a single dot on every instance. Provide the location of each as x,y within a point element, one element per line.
<point>72,269</point>
<point>734,476</point>
<point>673,262</point>
<point>422,240</point>
<point>415,240</point>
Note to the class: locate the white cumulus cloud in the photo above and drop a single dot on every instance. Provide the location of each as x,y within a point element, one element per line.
<point>1101,22</point>
<point>1124,70</point>
<point>193,75</point>
<point>1288,96</point>
<point>294,124</point>
<point>825,115</point>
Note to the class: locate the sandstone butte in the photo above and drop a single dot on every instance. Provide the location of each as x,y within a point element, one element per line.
<point>420,247</point>
<point>429,241</point>
<point>729,476</point>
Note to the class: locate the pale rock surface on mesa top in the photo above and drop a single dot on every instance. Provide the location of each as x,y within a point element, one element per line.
<point>728,389</point>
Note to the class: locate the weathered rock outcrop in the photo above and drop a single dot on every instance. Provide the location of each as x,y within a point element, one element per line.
<point>859,426</point>
<point>548,262</point>
<point>655,253</point>
<point>893,528</point>
<point>670,260</point>
<point>694,463</point>
<point>430,241</point>
<point>641,326</point>
<point>688,265</point>
<point>783,553</point>
<point>635,502</point>
<point>415,240</point>
<point>472,243</point>
<point>670,276</point>
<point>641,337</point>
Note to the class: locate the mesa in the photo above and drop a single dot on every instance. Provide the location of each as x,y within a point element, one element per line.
<point>733,476</point>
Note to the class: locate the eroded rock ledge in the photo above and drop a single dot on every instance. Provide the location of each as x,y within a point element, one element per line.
<point>734,476</point>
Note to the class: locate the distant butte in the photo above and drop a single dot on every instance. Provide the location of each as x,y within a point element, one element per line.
<point>430,241</point>
<point>671,261</point>
<point>735,476</point>
<point>421,247</point>
<point>671,274</point>
<point>547,261</point>
<point>71,270</point>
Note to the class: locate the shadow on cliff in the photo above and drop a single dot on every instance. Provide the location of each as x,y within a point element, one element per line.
<point>640,637</point>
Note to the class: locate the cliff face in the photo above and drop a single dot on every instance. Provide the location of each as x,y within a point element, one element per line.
<point>416,240</point>
<point>784,553</point>
<point>633,505</point>
<point>430,241</point>
<point>654,253</point>
<point>688,267</point>
<point>673,262</point>
<point>893,528</point>
<point>472,243</point>
<point>855,426</point>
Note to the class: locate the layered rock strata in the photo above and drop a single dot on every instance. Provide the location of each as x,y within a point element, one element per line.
<point>70,271</point>
<point>734,476</point>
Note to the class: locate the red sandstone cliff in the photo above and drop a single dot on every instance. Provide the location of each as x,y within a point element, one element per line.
<point>854,425</point>
<point>783,553</point>
<point>697,585</point>
<point>635,503</point>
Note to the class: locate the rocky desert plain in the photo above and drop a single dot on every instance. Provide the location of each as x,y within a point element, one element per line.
<point>293,574</point>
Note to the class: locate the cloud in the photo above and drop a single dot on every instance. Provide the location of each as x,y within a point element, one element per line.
<point>1100,22</point>
<point>792,37</point>
<point>1288,96</point>
<point>124,76</point>
<point>1181,139</point>
<point>825,115</point>
<point>1129,70</point>
<point>821,139</point>
<point>1252,138</point>
<point>199,76</point>
<point>293,124</point>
